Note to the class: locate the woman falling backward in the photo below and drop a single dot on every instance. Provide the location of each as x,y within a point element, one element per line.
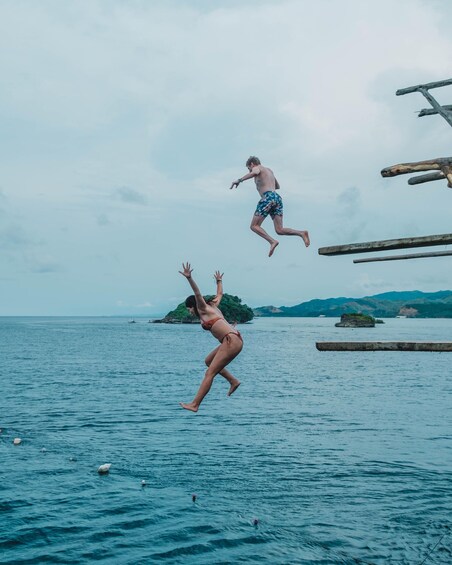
<point>213,320</point>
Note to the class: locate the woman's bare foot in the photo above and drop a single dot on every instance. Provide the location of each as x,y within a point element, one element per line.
<point>273,246</point>
<point>190,406</point>
<point>233,387</point>
<point>305,236</point>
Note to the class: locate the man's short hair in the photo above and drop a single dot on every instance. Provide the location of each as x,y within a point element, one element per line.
<point>254,160</point>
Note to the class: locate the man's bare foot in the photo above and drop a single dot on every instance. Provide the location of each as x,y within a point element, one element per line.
<point>273,246</point>
<point>190,406</point>
<point>233,388</point>
<point>305,236</point>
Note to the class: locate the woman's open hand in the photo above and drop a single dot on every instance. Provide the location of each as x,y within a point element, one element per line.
<point>186,270</point>
<point>218,276</point>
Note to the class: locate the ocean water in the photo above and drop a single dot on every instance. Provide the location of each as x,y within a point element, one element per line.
<point>318,458</point>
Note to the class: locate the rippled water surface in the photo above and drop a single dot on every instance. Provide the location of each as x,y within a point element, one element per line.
<point>339,457</point>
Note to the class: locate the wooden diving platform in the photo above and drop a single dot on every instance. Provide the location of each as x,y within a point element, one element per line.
<point>443,165</point>
<point>387,244</point>
<point>442,346</point>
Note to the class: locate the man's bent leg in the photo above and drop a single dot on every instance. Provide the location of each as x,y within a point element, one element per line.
<point>281,230</point>
<point>256,227</point>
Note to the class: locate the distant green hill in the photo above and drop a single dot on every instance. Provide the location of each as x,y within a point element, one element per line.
<point>415,304</point>
<point>231,307</point>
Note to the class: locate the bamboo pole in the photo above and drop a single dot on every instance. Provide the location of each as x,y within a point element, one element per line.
<point>401,257</point>
<point>387,244</point>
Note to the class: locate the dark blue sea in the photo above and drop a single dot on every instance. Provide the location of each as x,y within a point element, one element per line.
<point>318,458</point>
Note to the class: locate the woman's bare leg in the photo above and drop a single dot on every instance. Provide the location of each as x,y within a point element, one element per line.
<point>281,230</point>
<point>256,227</point>
<point>227,351</point>
<point>235,383</point>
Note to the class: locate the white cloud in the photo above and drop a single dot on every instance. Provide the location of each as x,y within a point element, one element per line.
<point>144,305</point>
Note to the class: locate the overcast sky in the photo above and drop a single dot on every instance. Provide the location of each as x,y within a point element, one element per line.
<point>123,125</point>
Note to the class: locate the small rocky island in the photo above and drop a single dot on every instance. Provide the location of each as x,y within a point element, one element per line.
<point>357,321</point>
<point>231,306</point>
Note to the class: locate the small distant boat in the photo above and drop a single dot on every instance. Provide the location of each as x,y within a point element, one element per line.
<point>400,316</point>
<point>132,322</point>
<point>322,316</point>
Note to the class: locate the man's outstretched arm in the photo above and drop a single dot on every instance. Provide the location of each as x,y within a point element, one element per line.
<point>254,172</point>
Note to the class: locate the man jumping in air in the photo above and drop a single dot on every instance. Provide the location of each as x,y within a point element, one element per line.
<point>270,203</point>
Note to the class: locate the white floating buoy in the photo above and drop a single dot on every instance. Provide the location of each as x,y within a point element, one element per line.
<point>43,450</point>
<point>104,469</point>
<point>17,441</point>
<point>72,458</point>
<point>143,483</point>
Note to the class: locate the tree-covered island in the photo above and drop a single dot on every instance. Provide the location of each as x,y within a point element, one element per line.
<point>231,306</point>
<point>356,320</point>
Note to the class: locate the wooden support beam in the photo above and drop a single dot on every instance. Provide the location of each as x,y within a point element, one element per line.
<point>384,346</point>
<point>447,172</point>
<point>443,164</point>
<point>401,257</point>
<point>437,106</point>
<point>432,111</point>
<point>437,84</point>
<point>424,90</point>
<point>387,244</point>
<point>426,178</point>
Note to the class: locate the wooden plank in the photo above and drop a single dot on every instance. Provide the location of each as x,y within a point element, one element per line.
<point>418,166</point>
<point>426,178</point>
<point>387,244</point>
<point>432,111</point>
<point>384,346</point>
<point>400,257</point>
<point>437,84</point>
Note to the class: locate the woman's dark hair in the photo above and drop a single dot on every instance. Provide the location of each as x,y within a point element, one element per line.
<point>190,302</point>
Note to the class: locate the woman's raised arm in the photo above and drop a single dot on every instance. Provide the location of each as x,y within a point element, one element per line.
<point>219,278</point>
<point>186,272</point>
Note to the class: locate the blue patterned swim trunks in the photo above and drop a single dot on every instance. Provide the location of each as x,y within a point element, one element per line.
<point>270,203</point>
